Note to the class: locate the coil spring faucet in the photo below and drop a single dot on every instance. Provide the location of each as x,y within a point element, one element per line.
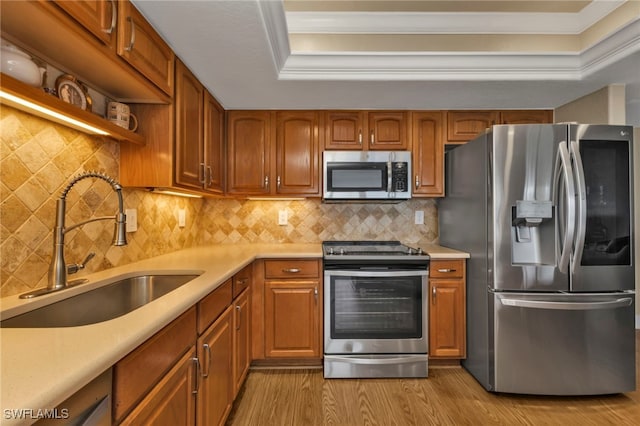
<point>58,270</point>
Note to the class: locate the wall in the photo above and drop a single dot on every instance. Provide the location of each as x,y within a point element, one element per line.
<point>38,158</point>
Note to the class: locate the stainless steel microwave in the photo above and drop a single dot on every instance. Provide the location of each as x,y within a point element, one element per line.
<point>366,175</point>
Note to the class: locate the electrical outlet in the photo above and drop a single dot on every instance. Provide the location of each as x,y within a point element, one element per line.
<point>419,217</point>
<point>132,219</point>
<point>182,218</point>
<point>283,218</point>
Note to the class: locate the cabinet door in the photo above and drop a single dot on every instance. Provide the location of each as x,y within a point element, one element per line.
<point>526,117</point>
<point>241,340</point>
<point>297,153</point>
<point>99,17</point>
<point>428,154</point>
<point>387,131</point>
<point>189,129</point>
<point>345,130</point>
<point>447,310</point>
<point>215,349</point>
<point>248,159</point>
<point>141,46</point>
<point>172,401</point>
<point>213,144</point>
<point>462,126</point>
<point>292,321</point>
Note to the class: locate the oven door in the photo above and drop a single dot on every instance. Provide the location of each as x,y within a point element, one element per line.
<point>375,312</point>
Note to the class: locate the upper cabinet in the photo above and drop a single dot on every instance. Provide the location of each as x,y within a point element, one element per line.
<point>99,17</point>
<point>141,46</point>
<point>273,153</point>
<point>185,142</point>
<point>538,116</point>
<point>362,130</point>
<point>58,31</point>
<point>462,126</point>
<point>428,153</point>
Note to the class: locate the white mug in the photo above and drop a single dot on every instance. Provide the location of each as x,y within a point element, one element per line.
<point>120,114</point>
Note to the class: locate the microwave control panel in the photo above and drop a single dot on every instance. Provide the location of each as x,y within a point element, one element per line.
<point>399,177</point>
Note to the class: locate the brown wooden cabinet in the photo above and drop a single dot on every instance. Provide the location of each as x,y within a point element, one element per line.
<point>141,46</point>
<point>526,117</point>
<point>447,310</point>
<point>199,135</point>
<point>273,153</point>
<point>374,130</point>
<point>172,401</point>
<point>140,379</point>
<point>215,352</point>
<point>292,309</point>
<point>241,339</point>
<point>297,153</point>
<point>249,152</point>
<point>462,126</point>
<point>99,17</point>
<point>428,153</point>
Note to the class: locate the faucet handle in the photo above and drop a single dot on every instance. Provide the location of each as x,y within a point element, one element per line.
<point>75,267</point>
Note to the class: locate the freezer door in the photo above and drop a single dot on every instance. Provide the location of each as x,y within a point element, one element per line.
<point>570,344</point>
<point>603,248</point>
<point>528,231</point>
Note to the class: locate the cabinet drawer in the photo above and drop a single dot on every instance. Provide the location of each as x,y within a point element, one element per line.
<point>291,268</point>
<point>213,305</point>
<point>446,269</point>
<point>138,372</point>
<point>242,280</point>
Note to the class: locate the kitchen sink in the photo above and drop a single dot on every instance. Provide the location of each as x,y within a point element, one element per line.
<point>108,302</point>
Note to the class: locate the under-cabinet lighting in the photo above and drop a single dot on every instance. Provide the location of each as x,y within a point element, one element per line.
<point>170,192</point>
<point>275,198</point>
<point>51,114</point>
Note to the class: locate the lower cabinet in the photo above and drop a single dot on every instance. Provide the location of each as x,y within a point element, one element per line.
<point>292,309</point>
<point>215,352</point>
<point>172,401</point>
<point>241,340</point>
<point>447,311</point>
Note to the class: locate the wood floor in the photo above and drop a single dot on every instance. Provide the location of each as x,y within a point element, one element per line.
<point>450,396</point>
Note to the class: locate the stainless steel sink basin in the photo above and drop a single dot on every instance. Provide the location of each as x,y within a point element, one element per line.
<point>102,304</point>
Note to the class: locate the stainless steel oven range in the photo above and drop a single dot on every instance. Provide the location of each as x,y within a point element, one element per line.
<point>375,310</point>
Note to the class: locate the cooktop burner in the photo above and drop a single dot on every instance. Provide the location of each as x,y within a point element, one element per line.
<point>370,250</point>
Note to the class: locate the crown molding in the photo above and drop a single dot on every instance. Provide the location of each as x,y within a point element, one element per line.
<point>449,22</point>
<point>442,66</point>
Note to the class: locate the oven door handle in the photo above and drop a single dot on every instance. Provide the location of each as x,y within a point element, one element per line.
<point>377,360</point>
<point>377,273</point>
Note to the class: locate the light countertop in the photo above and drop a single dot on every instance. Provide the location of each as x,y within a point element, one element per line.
<point>42,367</point>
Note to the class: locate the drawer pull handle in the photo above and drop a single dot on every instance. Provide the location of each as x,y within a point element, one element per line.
<point>291,270</point>
<point>239,316</point>
<point>196,373</point>
<point>207,350</point>
<point>447,270</point>
<point>114,17</point>
<point>243,281</point>
<point>433,295</point>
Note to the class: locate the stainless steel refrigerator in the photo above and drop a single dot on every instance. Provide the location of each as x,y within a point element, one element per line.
<point>546,212</point>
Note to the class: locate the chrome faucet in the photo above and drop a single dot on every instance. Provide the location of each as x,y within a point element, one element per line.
<point>58,269</point>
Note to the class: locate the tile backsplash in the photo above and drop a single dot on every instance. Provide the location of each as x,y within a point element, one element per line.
<point>38,158</point>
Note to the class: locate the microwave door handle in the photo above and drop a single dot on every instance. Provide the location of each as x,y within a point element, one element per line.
<point>582,206</point>
<point>563,170</point>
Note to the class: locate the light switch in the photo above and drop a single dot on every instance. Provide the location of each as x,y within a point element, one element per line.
<point>132,219</point>
<point>419,217</point>
<point>182,218</point>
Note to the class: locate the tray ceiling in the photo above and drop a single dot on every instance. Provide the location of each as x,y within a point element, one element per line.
<point>399,54</point>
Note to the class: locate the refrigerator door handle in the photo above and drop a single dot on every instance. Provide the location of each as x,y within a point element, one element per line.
<point>568,306</point>
<point>582,207</point>
<point>563,169</point>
